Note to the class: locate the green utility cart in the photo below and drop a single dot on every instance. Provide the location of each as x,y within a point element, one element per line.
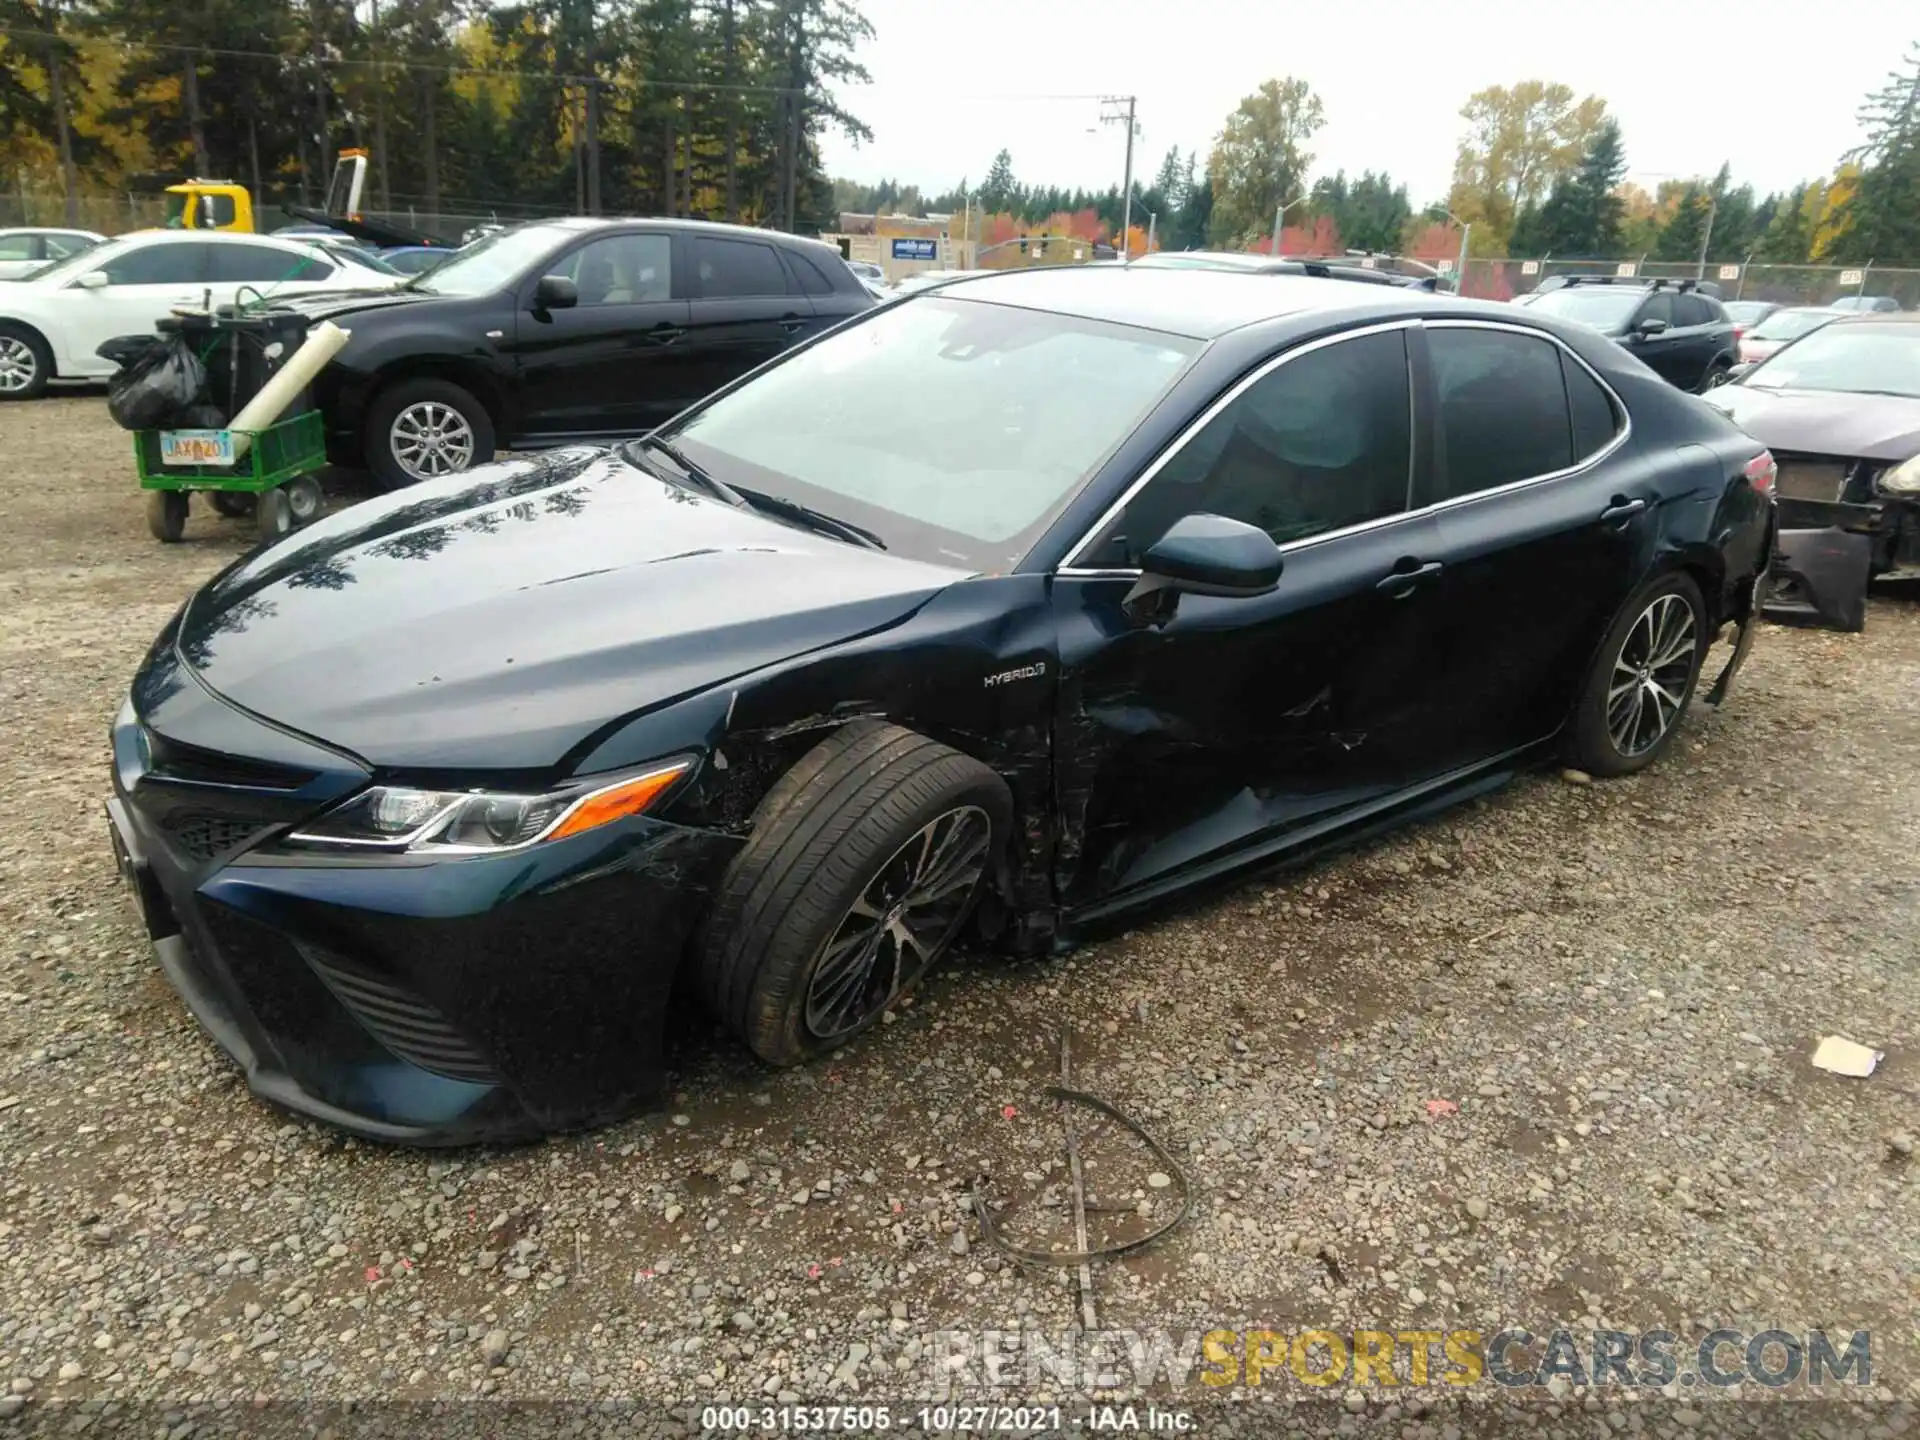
<point>273,479</point>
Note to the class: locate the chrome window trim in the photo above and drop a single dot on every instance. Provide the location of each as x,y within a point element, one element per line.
<point>1212,412</point>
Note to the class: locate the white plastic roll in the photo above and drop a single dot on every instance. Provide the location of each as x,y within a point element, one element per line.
<point>323,342</point>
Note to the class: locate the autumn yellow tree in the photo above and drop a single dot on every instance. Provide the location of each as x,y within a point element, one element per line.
<point>1519,140</point>
<point>1260,158</point>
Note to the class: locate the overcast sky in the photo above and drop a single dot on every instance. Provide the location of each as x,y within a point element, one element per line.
<point>1772,87</point>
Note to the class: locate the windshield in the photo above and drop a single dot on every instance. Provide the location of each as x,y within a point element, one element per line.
<point>1745,312</point>
<point>81,261</point>
<point>1601,308</point>
<point>1788,324</point>
<point>492,263</point>
<point>954,430</point>
<point>1863,359</point>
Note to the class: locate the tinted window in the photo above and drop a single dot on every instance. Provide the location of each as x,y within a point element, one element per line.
<point>738,267</point>
<point>1595,421</point>
<point>1317,444</point>
<point>813,280</point>
<point>159,265</point>
<point>620,270</point>
<point>1503,408</point>
<point>263,265</point>
<point>1659,306</point>
<point>1692,310</point>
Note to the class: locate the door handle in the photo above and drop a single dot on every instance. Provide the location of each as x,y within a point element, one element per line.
<point>1407,576</point>
<point>1620,511</point>
<point>791,323</point>
<point>665,334</point>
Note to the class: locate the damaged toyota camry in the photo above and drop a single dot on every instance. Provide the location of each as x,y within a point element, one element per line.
<point>999,612</point>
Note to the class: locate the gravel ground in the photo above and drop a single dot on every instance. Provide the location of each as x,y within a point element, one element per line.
<point>1617,985</point>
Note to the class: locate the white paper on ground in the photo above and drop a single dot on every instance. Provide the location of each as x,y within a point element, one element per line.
<point>1844,1057</point>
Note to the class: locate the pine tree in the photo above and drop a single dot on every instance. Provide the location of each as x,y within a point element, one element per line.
<point>1886,204</point>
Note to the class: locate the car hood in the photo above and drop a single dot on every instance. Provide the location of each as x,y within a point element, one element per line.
<point>498,619</point>
<point>1824,422</point>
<point>332,304</point>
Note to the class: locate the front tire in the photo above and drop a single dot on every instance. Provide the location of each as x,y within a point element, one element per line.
<point>1642,679</point>
<point>273,516</point>
<point>865,860</point>
<point>26,363</point>
<point>167,514</point>
<point>423,429</point>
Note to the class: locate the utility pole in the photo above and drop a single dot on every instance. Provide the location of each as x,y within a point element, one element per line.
<point>1700,270</point>
<point>1279,219</point>
<point>1119,109</point>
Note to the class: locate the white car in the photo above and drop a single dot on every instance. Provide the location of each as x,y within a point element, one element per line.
<point>26,250</point>
<point>53,322</point>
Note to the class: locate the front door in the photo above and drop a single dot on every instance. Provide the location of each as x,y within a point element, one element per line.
<point>746,308</point>
<point>143,284</point>
<point>1667,353</point>
<point>616,363</point>
<point>1239,724</point>
<point>1544,524</point>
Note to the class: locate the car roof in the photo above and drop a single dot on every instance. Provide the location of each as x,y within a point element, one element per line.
<point>1199,304</point>
<point>1877,317</point>
<point>582,223</point>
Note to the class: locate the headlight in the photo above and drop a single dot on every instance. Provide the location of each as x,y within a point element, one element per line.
<point>397,818</point>
<point>1903,479</point>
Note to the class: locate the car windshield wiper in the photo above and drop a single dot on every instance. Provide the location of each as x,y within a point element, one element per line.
<point>793,510</point>
<point>813,519</point>
<point>719,489</point>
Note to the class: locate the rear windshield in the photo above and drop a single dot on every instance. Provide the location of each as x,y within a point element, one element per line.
<point>1789,324</point>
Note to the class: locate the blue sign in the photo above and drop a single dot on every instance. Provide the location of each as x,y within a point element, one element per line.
<point>916,249</point>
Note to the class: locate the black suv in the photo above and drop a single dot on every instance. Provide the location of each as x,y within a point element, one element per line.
<point>1676,326</point>
<point>564,330</point>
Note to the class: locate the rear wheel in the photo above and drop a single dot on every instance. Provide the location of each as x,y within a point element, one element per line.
<point>423,429</point>
<point>305,499</point>
<point>864,862</point>
<point>1642,679</point>
<point>167,514</point>
<point>26,362</point>
<point>1716,375</point>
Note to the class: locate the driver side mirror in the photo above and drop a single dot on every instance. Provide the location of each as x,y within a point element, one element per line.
<point>1208,555</point>
<point>93,280</point>
<point>555,292</point>
<point>1647,329</point>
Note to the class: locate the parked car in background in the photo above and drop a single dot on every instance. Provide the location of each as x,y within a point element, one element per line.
<point>23,251</point>
<point>1781,328</point>
<point>53,322</point>
<point>1746,314</point>
<point>560,330</point>
<point>871,277</point>
<point>1339,268</point>
<point>417,259</point>
<point>1840,409</point>
<point>1046,597</point>
<point>1874,304</point>
<point>1677,328</point>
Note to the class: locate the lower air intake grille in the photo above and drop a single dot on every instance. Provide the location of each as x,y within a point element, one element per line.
<point>201,834</point>
<point>400,1020</point>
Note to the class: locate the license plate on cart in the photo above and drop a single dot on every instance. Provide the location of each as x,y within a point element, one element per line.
<point>196,447</point>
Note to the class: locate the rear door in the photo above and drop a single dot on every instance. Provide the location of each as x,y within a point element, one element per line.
<point>143,285</point>
<point>1698,324</point>
<point>1545,522</point>
<point>747,307</point>
<point>616,363</point>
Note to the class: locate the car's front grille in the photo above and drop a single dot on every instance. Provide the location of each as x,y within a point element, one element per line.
<point>202,835</point>
<point>171,760</point>
<point>403,1022</point>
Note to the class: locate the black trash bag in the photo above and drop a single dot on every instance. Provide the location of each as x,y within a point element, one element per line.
<point>157,388</point>
<point>124,350</point>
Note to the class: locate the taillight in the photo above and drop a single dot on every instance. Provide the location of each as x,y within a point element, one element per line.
<point>1761,472</point>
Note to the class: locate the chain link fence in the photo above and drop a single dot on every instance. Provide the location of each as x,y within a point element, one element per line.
<point>1782,284</point>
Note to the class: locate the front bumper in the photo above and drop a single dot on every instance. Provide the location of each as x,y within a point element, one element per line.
<point>436,1002</point>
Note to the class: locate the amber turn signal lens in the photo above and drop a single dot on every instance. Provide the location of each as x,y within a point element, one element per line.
<point>617,802</point>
